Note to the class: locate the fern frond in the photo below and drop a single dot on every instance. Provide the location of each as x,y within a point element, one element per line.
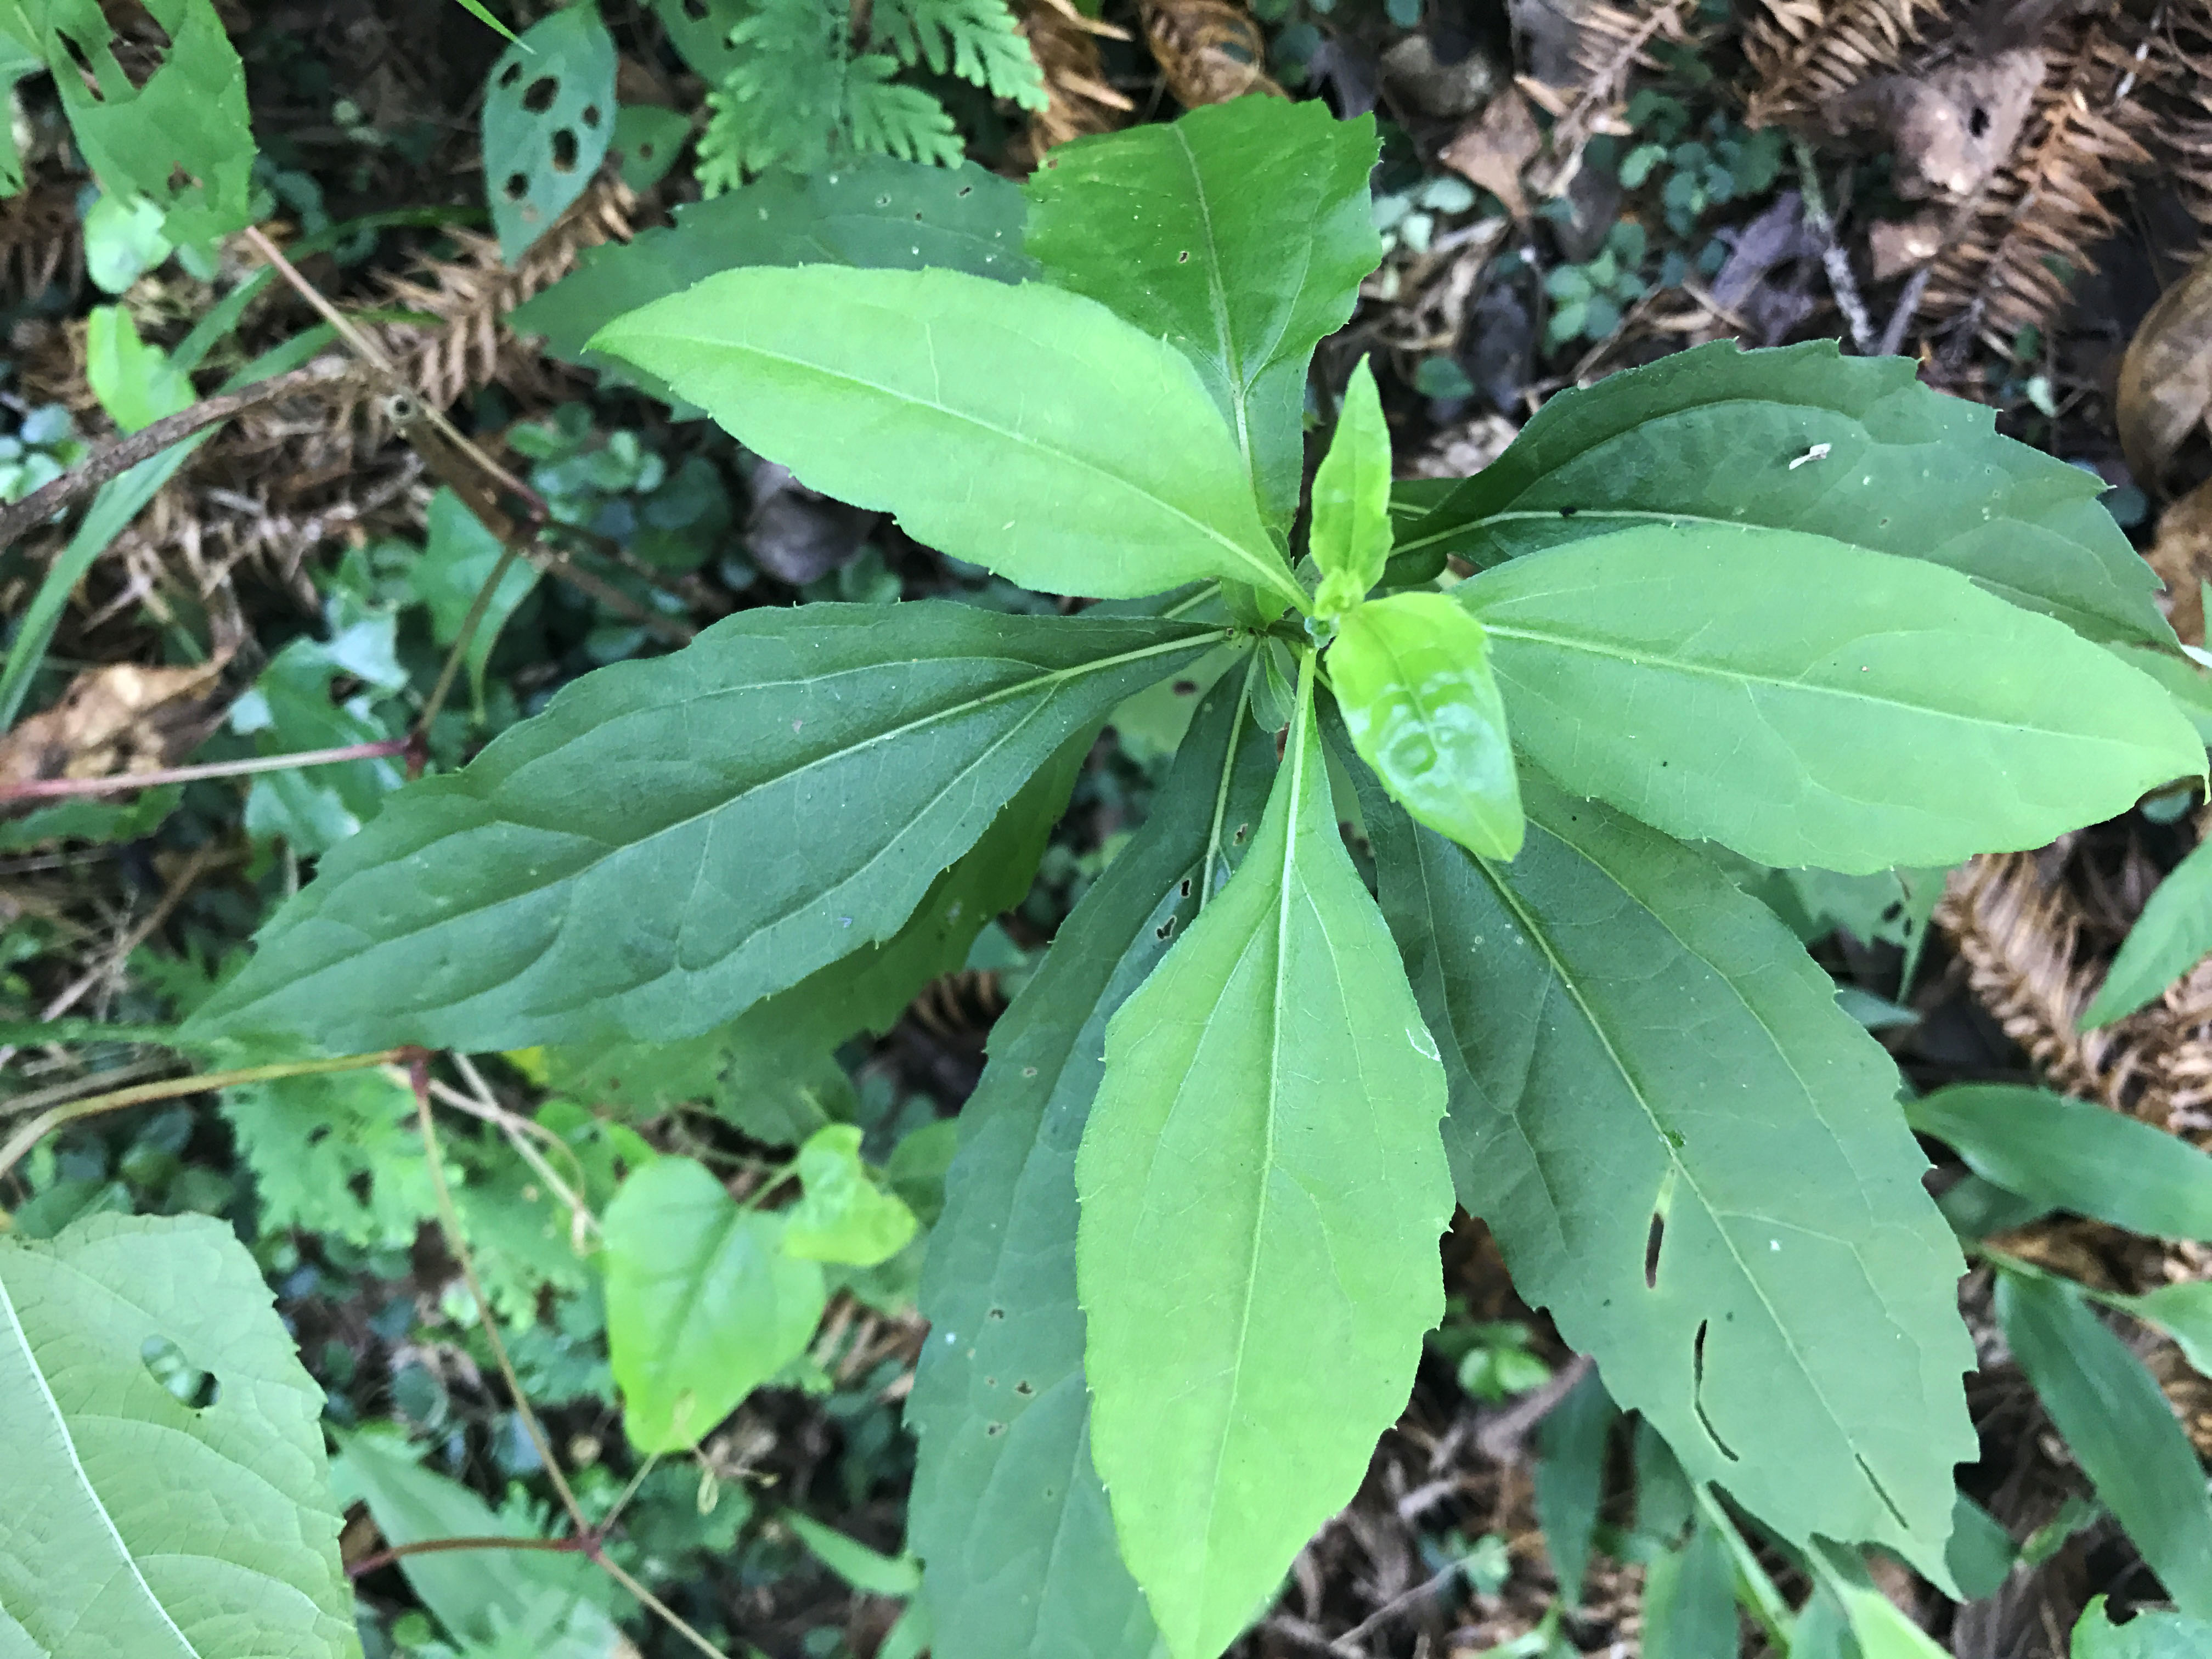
<point>883,117</point>
<point>978,40</point>
<point>782,103</point>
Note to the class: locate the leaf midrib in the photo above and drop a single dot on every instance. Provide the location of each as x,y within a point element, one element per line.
<point>1270,572</point>
<point>22,1341</point>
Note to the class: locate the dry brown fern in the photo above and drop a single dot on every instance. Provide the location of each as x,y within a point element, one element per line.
<point>1065,44</point>
<point>1808,53</point>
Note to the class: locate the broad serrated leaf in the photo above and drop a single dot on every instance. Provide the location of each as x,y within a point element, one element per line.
<point>703,1305</point>
<point>672,840</point>
<point>2146,1635</point>
<point>1711,433</point>
<point>1008,1514</point>
<point>1412,677</point>
<point>548,109</point>
<point>1262,1187</point>
<point>2119,1428</point>
<point>1350,534</point>
<point>2172,935</point>
<point>2074,1155</point>
<point>136,1522</point>
<point>842,1215</point>
<point>1689,675</point>
<point>482,1597</point>
<point>1239,235</point>
<point>1023,429</point>
<point>1630,1041</point>
<point>878,213</point>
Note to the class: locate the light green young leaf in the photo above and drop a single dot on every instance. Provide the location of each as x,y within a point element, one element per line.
<point>549,110</point>
<point>2183,1311</point>
<point>1711,433</point>
<point>1351,533</point>
<point>135,382</point>
<point>135,1523</point>
<point>2073,1155</point>
<point>1682,674</point>
<point>703,1304</point>
<point>180,137</point>
<point>843,1216</point>
<point>482,13</point>
<point>2119,1428</point>
<point>1630,1040</point>
<point>480,1596</point>
<point>122,240</point>
<point>2146,1635</point>
<point>1239,235</point>
<point>1878,1623</point>
<point>647,857</point>
<point>1262,1187</point>
<point>1026,430</point>
<point>1411,677</point>
<point>1007,1513</point>
<point>456,560</point>
<point>2173,934</point>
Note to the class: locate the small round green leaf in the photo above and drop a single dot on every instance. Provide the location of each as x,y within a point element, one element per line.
<point>549,112</point>
<point>1411,674</point>
<point>844,1216</point>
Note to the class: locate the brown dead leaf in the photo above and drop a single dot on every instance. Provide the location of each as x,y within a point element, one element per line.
<point>2166,380</point>
<point>1903,245</point>
<point>1951,126</point>
<point>2182,555</point>
<point>1491,151</point>
<point>1208,50</point>
<point>120,718</point>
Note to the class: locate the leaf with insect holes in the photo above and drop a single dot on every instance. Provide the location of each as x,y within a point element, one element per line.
<point>1710,436</point>
<point>549,113</point>
<point>1238,233</point>
<point>1681,673</point>
<point>703,1303</point>
<point>1694,1158</point>
<point>1411,677</point>
<point>1008,1514</point>
<point>1022,428</point>
<point>187,1515</point>
<point>647,858</point>
<point>1351,533</point>
<point>1262,1188</point>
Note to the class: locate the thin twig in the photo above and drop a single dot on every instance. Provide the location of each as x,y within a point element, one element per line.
<point>508,553</point>
<point>199,1084</point>
<point>369,1564</point>
<point>75,993</point>
<point>116,782</point>
<point>1833,258</point>
<point>90,1083</point>
<point>118,458</point>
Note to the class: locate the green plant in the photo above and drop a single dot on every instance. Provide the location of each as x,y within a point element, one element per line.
<point>1789,603</point>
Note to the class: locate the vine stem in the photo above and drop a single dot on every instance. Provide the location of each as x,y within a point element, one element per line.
<point>200,1083</point>
<point>590,1539</point>
<point>369,1564</point>
<point>62,788</point>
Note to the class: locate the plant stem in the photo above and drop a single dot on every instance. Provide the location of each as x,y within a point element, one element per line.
<point>56,788</point>
<point>200,1083</point>
<point>369,1564</point>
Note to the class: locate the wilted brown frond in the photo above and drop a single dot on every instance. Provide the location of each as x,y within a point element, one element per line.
<point>1065,44</point>
<point>1807,53</point>
<point>1208,50</point>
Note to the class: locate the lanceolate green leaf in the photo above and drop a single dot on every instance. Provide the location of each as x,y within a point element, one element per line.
<point>1008,1514</point>
<point>1412,676</point>
<point>1023,429</point>
<point>1350,535</point>
<point>672,840</point>
<point>1239,235</point>
<point>1882,461</point>
<point>136,1523</point>
<point>1262,1187</point>
<point>1804,701</point>
<point>703,1304</point>
<point>2173,934</point>
<point>1630,1040</point>
<point>2119,1428</point>
<point>2073,1155</point>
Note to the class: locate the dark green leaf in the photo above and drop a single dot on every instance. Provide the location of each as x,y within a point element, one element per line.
<point>2173,934</point>
<point>138,1521</point>
<point>2072,1155</point>
<point>1007,1514</point>
<point>1239,235</point>
<point>549,110</point>
<point>703,1304</point>
<point>2146,1635</point>
<point>1630,1041</point>
<point>672,840</point>
<point>1262,1188</point>
<point>1411,677</point>
<point>2119,1428</point>
<point>864,1569</point>
<point>1981,1551</point>
<point>1689,1600</point>
<point>1022,428</point>
<point>1682,674</point>
<point>1569,1478</point>
<point>1711,433</point>
<point>647,138</point>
